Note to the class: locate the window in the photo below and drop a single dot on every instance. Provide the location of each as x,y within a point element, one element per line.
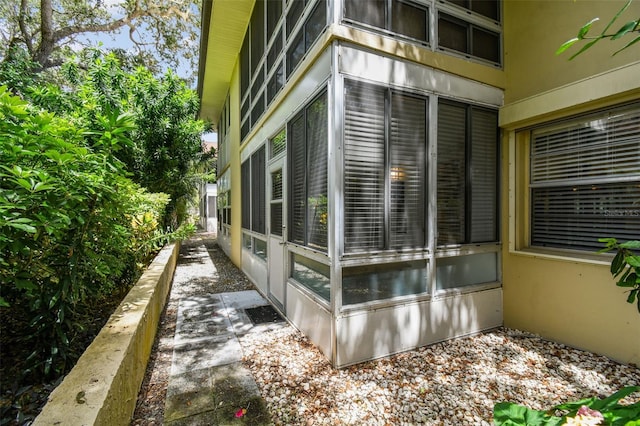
<point>465,37</point>
<point>467,186</point>
<point>403,17</point>
<point>384,168</point>
<point>307,35</point>
<point>307,145</point>
<point>585,180</point>
<point>488,8</point>
<point>312,274</point>
<point>253,192</point>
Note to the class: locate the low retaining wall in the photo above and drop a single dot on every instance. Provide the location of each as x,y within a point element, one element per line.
<point>103,387</point>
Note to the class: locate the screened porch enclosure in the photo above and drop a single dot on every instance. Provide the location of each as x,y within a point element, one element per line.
<point>385,209</point>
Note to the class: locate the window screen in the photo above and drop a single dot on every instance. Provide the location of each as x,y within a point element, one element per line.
<point>258,199</point>
<point>585,180</point>
<point>402,17</point>
<point>245,177</point>
<point>467,174</point>
<point>307,144</point>
<point>465,37</point>
<point>384,167</point>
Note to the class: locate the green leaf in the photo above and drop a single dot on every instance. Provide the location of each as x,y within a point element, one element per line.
<point>617,263</point>
<point>585,28</point>
<point>629,26</point>
<point>632,296</point>
<point>631,43</point>
<point>567,44</point>
<point>4,303</point>
<point>585,47</point>
<point>632,244</point>
<point>633,261</point>
<point>612,400</point>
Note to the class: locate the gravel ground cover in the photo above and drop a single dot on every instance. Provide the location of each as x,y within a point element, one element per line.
<point>450,383</point>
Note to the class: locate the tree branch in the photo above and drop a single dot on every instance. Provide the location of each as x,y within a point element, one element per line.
<point>23,26</point>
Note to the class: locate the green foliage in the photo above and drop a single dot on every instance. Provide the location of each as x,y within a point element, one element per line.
<point>608,410</point>
<point>625,266</point>
<point>64,232</point>
<point>628,28</point>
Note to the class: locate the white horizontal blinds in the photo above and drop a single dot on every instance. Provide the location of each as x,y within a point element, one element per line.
<point>585,180</point>
<point>297,165</point>
<point>258,193</point>
<point>603,147</point>
<point>452,120</point>
<point>317,151</point>
<point>407,152</point>
<point>484,175</point>
<point>276,202</point>
<point>364,167</point>
<point>245,181</point>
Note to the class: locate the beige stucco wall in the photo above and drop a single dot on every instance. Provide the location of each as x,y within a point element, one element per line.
<point>567,298</point>
<point>533,30</point>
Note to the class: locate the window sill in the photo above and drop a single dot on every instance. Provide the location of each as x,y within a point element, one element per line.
<point>564,256</point>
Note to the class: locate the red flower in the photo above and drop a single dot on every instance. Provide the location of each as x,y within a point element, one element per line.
<point>241,412</point>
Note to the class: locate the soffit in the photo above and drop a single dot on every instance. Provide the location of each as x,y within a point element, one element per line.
<point>226,28</point>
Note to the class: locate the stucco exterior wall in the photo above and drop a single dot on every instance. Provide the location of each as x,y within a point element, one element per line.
<point>533,30</point>
<point>569,298</point>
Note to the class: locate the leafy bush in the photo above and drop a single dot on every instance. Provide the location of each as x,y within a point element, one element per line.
<point>590,411</point>
<point>625,266</point>
<point>73,228</point>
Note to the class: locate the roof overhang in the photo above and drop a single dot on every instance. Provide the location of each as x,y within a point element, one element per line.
<point>224,23</point>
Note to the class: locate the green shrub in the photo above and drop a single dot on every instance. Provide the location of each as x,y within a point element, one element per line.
<point>590,411</point>
<point>67,225</point>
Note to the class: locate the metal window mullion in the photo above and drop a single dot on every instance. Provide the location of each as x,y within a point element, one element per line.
<point>387,169</point>
<point>468,196</point>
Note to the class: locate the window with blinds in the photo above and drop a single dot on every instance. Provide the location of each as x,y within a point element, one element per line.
<point>308,150</point>
<point>585,180</point>
<point>253,196</point>
<point>403,17</point>
<point>384,168</point>
<point>467,189</point>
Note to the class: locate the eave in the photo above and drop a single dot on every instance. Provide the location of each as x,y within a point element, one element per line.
<point>224,23</point>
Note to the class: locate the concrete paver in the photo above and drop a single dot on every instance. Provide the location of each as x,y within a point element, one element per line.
<point>208,383</point>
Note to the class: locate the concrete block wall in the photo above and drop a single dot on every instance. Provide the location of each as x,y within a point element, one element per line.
<point>103,387</point>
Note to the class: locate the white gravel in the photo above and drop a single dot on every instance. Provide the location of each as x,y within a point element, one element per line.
<point>452,383</point>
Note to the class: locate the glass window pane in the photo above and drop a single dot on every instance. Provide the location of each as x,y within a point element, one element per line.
<point>464,271</point>
<point>258,108</point>
<point>364,165</point>
<point>408,159</point>
<point>257,34</point>
<point>297,171</point>
<point>245,74</point>
<point>295,53</point>
<point>258,191</point>
<point>276,219</point>
<point>313,275</point>
<point>246,241</point>
<point>274,52</point>
<point>245,178</point>
<point>278,144</point>
<point>274,11</point>
<point>452,33</point>
<point>257,84</point>
<point>370,12</point>
<point>260,248</point>
<point>378,282</point>
<point>315,24</point>
<point>275,83</point>
<point>317,143</point>
<point>488,8</point>
<point>486,45</point>
<point>409,20</point>
<point>484,175</point>
<point>294,14</point>
<point>451,197</point>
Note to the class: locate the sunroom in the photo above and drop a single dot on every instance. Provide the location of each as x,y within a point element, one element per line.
<point>368,180</point>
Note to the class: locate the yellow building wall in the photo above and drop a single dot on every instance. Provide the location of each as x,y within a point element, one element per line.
<point>234,164</point>
<point>572,300</point>
<point>533,30</point>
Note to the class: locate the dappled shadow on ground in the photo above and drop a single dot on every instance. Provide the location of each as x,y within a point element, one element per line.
<point>454,382</point>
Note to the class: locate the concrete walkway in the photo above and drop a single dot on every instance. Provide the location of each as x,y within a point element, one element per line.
<point>208,384</point>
